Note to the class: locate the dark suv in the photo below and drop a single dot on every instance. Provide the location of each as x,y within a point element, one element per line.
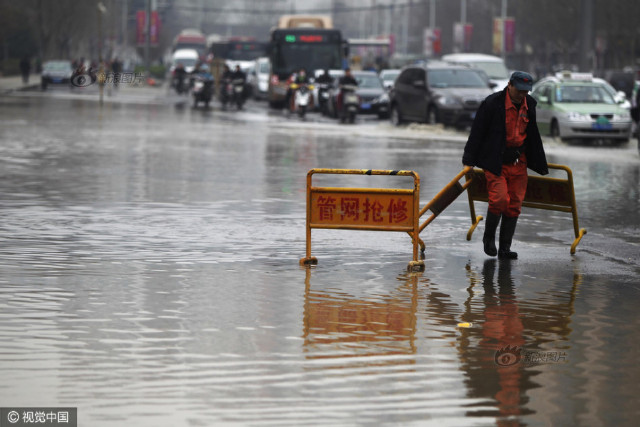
<point>438,93</point>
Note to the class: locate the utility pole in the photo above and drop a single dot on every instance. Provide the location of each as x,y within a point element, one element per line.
<point>101,71</point>
<point>125,10</point>
<point>503,13</point>
<point>432,14</point>
<point>405,28</point>
<point>147,38</point>
<point>586,42</point>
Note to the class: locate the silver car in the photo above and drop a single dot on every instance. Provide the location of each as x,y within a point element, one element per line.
<point>572,106</point>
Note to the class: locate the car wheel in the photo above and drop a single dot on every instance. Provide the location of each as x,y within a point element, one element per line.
<point>432,115</point>
<point>555,129</point>
<point>396,118</point>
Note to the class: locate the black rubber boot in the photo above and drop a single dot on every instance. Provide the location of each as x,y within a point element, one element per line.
<point>507,228</point>
<point>489,238</point>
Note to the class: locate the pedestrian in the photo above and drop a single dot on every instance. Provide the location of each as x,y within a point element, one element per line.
<point>25,69</point>
<point>116,70</point>
<point>505,141</point>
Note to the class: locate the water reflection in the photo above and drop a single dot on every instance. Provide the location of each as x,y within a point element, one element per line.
<point>338,324</point>
<point>500,354</point>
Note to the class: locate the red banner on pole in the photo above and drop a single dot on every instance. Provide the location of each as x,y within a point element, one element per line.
<point>155,28</point>
<point>141,27</point>
<point>509,34</point>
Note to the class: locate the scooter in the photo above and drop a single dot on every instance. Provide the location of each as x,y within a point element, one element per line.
<point>202,90</point>
<point>226,92</point>
<point>350,104</point>
<point>302,98</point>
<point>238,92</point>
<point>323,97</point>
<point>179,83</point>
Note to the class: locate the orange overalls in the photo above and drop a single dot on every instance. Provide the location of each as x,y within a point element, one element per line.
<point>506,192</point>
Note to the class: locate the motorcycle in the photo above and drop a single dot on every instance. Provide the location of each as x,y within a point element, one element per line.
<point>302,98</point>
<point>323,97</point>
<point>226,92</point>
<point>238,92</point>
<point>202,90</point>
<point>179,82</point>
<point>350,104</point>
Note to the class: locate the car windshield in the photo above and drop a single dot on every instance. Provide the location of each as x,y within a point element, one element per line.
<point>389,76</point>
<point>57,66</point>
<point>370,82</point>
<point>495,70</point>
<point>583,94</point>
<point>455,78</point>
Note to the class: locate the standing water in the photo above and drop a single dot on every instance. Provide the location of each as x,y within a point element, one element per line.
<point>149,276</point>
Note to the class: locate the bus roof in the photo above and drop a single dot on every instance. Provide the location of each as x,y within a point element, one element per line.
<point>305,21</point>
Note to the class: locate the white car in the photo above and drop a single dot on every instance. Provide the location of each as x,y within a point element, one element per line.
<point>259,78</point>
<point>187,57</point>
<point>388,77</point>
<point>493,67</point>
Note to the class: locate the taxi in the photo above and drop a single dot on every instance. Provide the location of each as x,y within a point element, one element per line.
<point>579,106</point>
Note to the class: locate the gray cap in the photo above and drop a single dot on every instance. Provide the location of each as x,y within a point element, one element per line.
<point>521,80</point>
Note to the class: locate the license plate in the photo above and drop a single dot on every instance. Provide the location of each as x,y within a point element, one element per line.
<point>365,106</point>
<point>56,80</point>
<point>601,126</point>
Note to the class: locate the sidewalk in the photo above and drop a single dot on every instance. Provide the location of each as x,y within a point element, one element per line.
<point>123,93</point>
<point>13,83</point>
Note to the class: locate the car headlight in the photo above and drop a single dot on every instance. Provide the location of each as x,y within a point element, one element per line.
<point>448,101</point>
<point>622,116</point>
<point>383,99</point>
<point>578,117</point>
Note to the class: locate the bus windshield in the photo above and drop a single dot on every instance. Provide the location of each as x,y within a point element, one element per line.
<point>290,57</point>
<point>245,51</point>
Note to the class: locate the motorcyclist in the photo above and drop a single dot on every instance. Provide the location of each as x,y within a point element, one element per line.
<point>323,80</point>
<point>179,74</point>
<point>239,74</point>
<point>202,72</point>
<point>227,74</point>
<point>347,79</point>
<point>202,93</point>
<point>225,78</point>
<point>299,78</point>
<point>325,77</point>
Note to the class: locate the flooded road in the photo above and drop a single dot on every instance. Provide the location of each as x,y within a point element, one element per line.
<point>149,276</point>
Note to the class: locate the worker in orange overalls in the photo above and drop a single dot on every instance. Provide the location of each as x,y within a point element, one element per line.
<point>504,141</point>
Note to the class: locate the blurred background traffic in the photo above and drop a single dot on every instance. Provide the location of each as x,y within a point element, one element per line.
<point>143,41</point>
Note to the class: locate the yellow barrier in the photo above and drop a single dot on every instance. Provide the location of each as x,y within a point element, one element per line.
<point>376,209</point>
<point>542,193</point>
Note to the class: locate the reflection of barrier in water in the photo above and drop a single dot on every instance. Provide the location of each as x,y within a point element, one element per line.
<point>336,323</point>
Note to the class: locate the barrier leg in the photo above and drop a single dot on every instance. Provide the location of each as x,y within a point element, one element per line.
<point>474,224</point>
<point>582,232</point>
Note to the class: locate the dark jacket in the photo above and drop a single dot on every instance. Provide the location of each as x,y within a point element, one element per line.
<point>348,80</point>
<point>488,138</point>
